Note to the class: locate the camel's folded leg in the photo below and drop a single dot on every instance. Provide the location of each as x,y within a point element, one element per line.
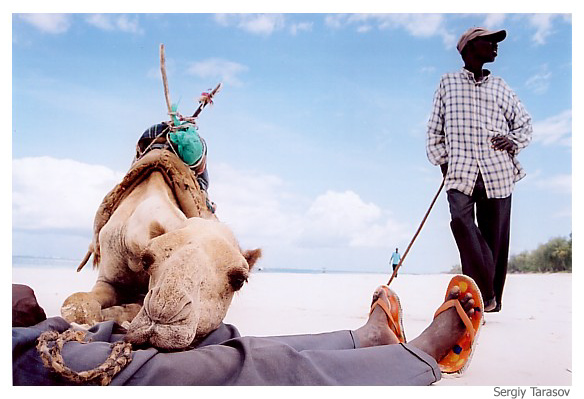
<point>121,314</point>
<point>86,307</point>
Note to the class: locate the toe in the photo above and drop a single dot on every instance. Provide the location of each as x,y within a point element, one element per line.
<point>464,301</point>
<point>379,293</point>
<point>468,304</point>
<point>376,294</point>
<point>454,292</point>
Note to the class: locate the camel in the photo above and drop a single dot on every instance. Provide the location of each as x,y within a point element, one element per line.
<point>167,267</point>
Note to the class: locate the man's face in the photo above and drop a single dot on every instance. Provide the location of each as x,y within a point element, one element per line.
<point>484,48</point>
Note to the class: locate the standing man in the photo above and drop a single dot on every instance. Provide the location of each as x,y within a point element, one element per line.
<point>395,258</point>
<point>476,129</point>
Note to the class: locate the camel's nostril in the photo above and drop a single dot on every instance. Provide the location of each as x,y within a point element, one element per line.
<point>168,309</point>
<point>147,260</point>
<point>183,314</point>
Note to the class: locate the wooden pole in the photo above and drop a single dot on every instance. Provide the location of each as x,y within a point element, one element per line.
<point>165,80</point>
<point>417,232</point>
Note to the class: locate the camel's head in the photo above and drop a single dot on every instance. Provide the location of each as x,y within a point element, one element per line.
<point>194,272</point>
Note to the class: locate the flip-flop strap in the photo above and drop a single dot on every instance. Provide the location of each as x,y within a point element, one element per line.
<point>385,308</point>
<point>461,313</point>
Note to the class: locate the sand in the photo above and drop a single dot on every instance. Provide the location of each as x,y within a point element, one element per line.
<point>529,343</point>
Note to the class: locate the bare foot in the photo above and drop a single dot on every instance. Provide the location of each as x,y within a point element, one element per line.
<point>446,329</point>
<point>376,331</point>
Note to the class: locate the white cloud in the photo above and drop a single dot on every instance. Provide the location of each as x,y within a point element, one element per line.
<point>543,24</point>
<point>49,193</point>
<point>556,129</point>
<point>227,71</point>
<point>49,23</point>
<point>494,21</point>
<point>300,27</point>
<point>428,69</point>
<point>335,21</point>
<point>559,183</point>
<point>417,25</point>
<point>539,83</point>
<point>337,219</point>
<point>109,22</point>
<point>257,206</point>
<point>341,213</point>
<point>260,24</point>
<point>364,28</point>
<point>262,209</point>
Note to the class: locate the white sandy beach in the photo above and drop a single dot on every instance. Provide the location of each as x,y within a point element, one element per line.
<point>529,343</point>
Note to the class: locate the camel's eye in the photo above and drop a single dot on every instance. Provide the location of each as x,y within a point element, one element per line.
<point>237,278</point>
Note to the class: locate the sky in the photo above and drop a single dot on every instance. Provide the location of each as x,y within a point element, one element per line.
<point>316,140</point>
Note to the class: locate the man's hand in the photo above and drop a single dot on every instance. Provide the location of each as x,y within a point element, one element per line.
<point>502,143</point>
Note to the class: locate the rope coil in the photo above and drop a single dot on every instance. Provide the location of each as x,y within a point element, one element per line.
<point>50,345</point>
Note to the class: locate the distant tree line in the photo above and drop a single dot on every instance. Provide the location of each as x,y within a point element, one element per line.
<point>551,257</point>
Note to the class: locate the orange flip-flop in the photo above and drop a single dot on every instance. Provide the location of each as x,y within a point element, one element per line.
<point>393,312</point>
<point>459,356</point>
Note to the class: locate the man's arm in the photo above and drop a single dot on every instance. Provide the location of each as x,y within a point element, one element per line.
<point>436,140</point>
<point>520,129</point>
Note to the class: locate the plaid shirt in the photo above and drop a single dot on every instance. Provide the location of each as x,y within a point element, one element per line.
<point>466,116</point>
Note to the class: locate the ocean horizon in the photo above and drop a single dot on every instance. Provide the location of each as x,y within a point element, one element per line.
<point>27,261</point>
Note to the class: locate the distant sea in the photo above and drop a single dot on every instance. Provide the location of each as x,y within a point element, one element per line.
<point>42,262</point>
<point>33,261</point>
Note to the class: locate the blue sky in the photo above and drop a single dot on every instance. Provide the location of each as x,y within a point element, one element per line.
<point>316,142</point>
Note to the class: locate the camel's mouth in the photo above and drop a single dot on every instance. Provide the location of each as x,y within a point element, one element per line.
<point>168,319</point>
<point>144,331</point>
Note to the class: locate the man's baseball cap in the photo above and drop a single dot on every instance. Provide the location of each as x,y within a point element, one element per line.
<point>497,36</point>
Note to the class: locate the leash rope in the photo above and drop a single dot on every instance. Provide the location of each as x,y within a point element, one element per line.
<point>50,345</point>
<point>417,232</point>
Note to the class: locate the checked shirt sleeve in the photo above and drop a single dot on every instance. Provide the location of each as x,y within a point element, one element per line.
<point>520,129</point>
<point>436,139</point>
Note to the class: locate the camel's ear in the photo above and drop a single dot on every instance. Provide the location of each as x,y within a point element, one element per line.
<point>251,256</point>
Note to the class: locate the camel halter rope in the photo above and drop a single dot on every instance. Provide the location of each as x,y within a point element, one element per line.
<point>417,232</point>
<point>50,343</point>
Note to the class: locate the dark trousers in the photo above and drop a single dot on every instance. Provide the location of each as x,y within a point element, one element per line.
<point>483,242</point>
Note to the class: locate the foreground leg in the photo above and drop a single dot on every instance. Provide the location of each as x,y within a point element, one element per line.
<point>436,340</point>
<point>446,329</point>
<point>238,361</point>
<point>264,360</point>
<point>376,330</point>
